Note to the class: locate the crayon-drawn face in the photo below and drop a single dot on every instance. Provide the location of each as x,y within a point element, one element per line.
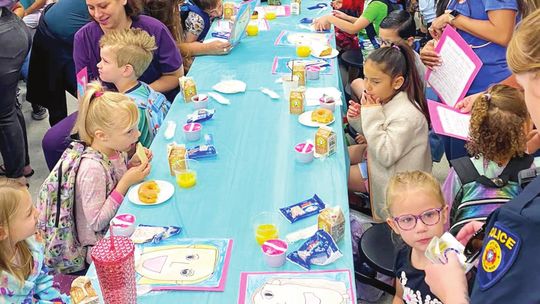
<point>178,264</point>
<point>300,291</point>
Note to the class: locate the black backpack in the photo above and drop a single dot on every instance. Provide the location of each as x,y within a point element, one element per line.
<point>479,195</point>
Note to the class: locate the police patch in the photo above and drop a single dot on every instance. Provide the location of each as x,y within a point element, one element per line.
<point>499,253</point>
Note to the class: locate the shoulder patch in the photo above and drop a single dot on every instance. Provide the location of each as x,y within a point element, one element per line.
<point>500,250</point>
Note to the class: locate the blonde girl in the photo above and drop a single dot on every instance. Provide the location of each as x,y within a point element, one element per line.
<point>417,213</point>
<point>23,275</point>
<point>107,124</point>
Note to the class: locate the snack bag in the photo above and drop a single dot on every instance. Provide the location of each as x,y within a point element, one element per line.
<point>303,209</point>
<point>320,249</point>
<point>176,155</point>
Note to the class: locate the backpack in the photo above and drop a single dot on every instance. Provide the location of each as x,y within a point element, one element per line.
<point>56,206</point>
<point>479,195</point>
<point>509,263</point>
<point>155,107</point>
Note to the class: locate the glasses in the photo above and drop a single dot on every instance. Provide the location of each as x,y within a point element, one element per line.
<point>429,218</point>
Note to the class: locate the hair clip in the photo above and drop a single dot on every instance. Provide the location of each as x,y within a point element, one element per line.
<point>98,94</point>
<point>487,96</point>
<point>396,47</point>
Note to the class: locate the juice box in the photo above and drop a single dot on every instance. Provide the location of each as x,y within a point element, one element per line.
<point>332,221</point>
<point>296,100</point>
<point>228,10</point>
<point>176,155</point>
<point>325,141</point>
<point>188,87</point>
<point>300,71</point>
<point>295,7</point>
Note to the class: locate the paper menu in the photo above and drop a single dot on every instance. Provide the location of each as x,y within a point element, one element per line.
<point>453,78</point>
<point>448,121</point>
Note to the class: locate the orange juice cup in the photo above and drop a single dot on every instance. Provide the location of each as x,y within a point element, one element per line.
<point>186,177</point>
<point>303,50</point>
<point>270,13</point>
<point>252,29</point>
<point>265,227</point>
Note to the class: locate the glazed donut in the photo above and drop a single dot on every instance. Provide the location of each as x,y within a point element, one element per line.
<point>148,192</point>
<point>322,115</point>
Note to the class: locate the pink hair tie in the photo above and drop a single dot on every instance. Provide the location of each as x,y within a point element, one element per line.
<point>396,47</point>
<point>98,94</point>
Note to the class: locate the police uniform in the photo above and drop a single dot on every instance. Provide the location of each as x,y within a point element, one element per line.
<point>509,266</point>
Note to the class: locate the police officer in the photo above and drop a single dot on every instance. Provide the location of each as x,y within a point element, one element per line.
<point>509,265</point>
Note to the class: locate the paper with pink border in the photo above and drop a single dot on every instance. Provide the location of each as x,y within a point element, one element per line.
<point>308,274</point>
<point>222,280</point>
<point>451,34</point>
<point>275,64</point>
<point>279,40</point>
<point>436,123</point>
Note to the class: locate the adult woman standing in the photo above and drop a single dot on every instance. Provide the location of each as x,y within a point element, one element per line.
<point>109,15</point>
<point>16,41</point>
<point>513,275</point>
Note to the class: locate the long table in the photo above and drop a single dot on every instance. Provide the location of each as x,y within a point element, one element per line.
<point>255,170</point>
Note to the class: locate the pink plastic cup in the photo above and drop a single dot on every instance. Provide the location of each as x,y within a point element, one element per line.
<point>274,252</point>
<point>193,131</point>
<point>304,152</point>
<point>115,267</point>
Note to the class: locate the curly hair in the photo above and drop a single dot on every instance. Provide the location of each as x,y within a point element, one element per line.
<point>497,127</point>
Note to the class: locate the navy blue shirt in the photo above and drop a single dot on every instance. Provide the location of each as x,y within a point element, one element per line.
<point>66,17</point>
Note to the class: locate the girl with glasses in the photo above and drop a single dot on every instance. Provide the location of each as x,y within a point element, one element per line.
<point>417,213</point>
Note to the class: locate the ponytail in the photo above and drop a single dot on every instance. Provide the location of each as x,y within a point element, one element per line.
<point>103,110</point>
<point>399,60</point>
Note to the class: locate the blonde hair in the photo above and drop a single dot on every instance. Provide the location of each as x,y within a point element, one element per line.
<point>131,46</point>
<point>11,195</point>
<point>403,182</point>
<point>103,110</point>
<point>497,124</point>
<point>523,52</point>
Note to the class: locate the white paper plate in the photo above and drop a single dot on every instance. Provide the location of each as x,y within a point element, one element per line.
<point>230,86</point>
<point>332,55</point>
<point>305,119</point>
<point>165,193</point>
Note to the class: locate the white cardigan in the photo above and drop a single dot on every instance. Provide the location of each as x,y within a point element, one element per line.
<point>397,139</point>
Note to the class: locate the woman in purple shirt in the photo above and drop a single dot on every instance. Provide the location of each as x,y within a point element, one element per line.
<point>108,15</point>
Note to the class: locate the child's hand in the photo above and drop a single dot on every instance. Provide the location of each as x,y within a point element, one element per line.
<point>360,139</point>
<point>369,100</point>
<point>354,109</point>
<point>321,24</point>
<point>339,14</point>
<point>337,4</point>
<point>135,161</point>
<point>132,176</point>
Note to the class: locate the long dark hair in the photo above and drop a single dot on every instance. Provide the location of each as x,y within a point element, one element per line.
<point>399,60</point>
<point>134,8</point>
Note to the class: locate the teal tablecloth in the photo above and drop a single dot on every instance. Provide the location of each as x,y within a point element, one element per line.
<point>255,170</point>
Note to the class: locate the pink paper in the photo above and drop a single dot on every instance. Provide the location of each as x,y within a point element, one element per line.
<point>445,90</point>
<point>451,124</point>
<point>82,81</point>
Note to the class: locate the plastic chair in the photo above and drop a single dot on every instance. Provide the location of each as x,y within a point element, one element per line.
<point>354,61</point>
<point>377,250</point>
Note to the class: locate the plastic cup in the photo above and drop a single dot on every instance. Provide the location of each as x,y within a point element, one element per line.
<point>303,50</point>
<point>312,72</point>
<point>186,174</point>
<point>265,227</point>
<point>192,131</point>
<point>270,13</point>
<point>123,224</point>
<point>304,152</point>
<point>115,267</point>
<point>252,29</point>
<point>327,102</point>
<point>275,252</point>
<point>200,101</point>
<point>289,82</point>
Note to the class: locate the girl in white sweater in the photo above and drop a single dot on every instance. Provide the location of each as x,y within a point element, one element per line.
<point>393,117</point>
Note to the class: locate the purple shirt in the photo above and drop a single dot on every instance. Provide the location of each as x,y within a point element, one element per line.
<point>166,59</point>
